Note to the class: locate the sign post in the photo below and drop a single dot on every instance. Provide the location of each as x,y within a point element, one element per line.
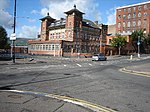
<point>138,43</point>
<point>13,38</point>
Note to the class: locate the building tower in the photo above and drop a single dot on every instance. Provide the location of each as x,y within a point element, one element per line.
<point>45,22</point>
<point>73,27</point>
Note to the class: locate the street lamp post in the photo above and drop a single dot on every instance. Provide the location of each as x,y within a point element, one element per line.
<point>14,30</point>
<point>138,43</point>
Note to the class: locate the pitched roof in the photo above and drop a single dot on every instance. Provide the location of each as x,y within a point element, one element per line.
<point>74,10</point>
<point>89,23</point>
<point>48,18</point>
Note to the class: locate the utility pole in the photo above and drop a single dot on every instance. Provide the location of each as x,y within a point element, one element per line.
<point>14,31</point>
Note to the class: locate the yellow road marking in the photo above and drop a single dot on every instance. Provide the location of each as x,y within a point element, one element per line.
<point>86,104</point>
<point>134,72</point>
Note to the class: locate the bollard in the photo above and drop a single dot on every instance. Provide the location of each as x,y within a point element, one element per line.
<point>131,57</point>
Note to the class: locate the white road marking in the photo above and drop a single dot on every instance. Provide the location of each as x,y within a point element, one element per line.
<point>90,64</point>
<point>79,65</point>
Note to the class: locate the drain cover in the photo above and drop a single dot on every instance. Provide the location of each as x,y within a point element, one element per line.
<point>67,74</point>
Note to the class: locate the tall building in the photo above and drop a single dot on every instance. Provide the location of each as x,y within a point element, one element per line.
<point>133,17</point>
<point>70,36</point>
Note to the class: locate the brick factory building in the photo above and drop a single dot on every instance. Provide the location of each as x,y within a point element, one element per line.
<point>133,17</point>
<point>70,36</point>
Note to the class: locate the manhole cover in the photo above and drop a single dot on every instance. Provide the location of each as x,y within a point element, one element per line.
<point>5,88</point>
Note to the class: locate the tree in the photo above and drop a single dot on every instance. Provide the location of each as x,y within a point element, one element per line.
<point>118,42</point>
<point>138,36</point>
<point>3,38</point>
<point>147,40</point>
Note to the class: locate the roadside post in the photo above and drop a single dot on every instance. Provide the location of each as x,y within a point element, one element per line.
<point>13,38</point>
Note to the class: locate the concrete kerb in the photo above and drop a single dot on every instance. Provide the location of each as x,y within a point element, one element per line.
<point>145,74</point>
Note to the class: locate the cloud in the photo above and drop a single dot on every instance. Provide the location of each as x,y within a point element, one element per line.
<point>28,32</point>
<point>31,20</point>
<point>6,19</point>
<point>111,16</point>
<point>56,8</point>
<point>35,12</point>
<point>4,4</point>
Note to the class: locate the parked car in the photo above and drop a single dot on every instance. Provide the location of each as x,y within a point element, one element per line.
<point>5,56</point>
<point>99,57</point>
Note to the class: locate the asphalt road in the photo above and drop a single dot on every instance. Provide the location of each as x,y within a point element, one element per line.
<point>98,82</point>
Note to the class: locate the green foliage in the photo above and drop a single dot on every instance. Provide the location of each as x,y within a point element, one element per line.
<point>136,34</point>
<point>144,40</point>
<point>147,40</point>
<point>120,41</point>
<point>3,38</point>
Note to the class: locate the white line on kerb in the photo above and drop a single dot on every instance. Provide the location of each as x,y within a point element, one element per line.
<point>79,65</point>
<point>86,104</point>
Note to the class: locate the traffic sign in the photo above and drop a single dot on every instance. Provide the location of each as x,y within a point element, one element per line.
<point>13,36</point>
<point>138,43</point>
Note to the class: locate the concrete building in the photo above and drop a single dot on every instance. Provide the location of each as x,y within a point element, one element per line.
<point>133,17</point>
<point>70,36</point>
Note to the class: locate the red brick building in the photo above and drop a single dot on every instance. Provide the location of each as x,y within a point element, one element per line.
<point>133,17</point>
<point>70,36</point>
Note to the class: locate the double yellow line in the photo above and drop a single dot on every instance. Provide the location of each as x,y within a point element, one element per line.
<point>85,104</point>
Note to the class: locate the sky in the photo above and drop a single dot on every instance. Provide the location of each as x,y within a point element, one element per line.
<point>29,12</point>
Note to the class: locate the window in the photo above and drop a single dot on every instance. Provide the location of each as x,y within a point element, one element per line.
<point>134,23</point>
<point>129,24</point>
<point>134,8</point>
<point>129,16</point>
<point>145,6</point>
<point>56,47</point>
<point>139,14</point>
<point>69,24</point>
<point>139,8</point>
<point>129,9</point>
<point>46,47</point>
<point>119,16</point>
<point>139,22</point>
<point>124,10</point>
<point>56,35</point>
<point>53,47</point>
<point>43,47</point>
<point>59,35</point>
<point>128,32</point>
<point>134,15</point>
<point>124,24</point>
<point>109,41</point>
<point>49,47</point>
<point>119,25</point>
<point>124,16</point>
<point>145,13</point>
<point>144,22</point>
<point>63,35</point>
<point>51,36</point>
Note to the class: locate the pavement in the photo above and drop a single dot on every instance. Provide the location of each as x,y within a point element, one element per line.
<point>26,101</point>
<point>141,70</point>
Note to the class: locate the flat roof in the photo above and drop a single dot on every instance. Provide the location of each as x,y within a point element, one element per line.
<point>133,5</point>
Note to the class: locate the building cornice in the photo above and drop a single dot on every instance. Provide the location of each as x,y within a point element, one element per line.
<point>133,5</point>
